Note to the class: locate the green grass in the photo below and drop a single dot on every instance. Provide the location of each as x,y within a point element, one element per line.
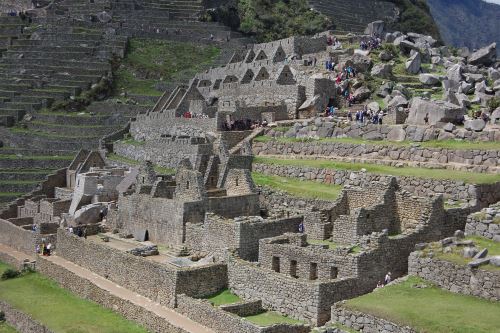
<point>468,177</point>
<point>11,194</point>
<point>65,125</point>
<point>223,297</point>
<point>303,189</point>
<point>20,130</point>
<point>129,161</point>
<point>150,61</point>
<point>36,157</point>
<point>456,255</point>
<point>4,328</point>
<point>131,141</point>
<point>430,309</point>
<point>331,245</point>
<point>446,144</point>
<point>60,310</point>
<point>18,182</point>
<point>269,318</point>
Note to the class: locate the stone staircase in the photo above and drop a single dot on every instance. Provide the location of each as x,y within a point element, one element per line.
<point>353,16</point>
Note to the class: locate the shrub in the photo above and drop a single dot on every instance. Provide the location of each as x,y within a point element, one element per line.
<point>10,274</point>
<point>494,103</point>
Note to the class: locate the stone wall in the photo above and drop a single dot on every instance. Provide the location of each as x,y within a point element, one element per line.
<point>16,237</point>
<point>456,278</point>
<point>301,299</point>
<point>224,322</point>
<point>483,194</point>
<point>86,289</point>
<point>485,223</point>
<point>364,322</point>
<point>159,282</point>
<point>17,5</point>
<point>217,234</point>
<point>22,322</point>
<point>473,160</point>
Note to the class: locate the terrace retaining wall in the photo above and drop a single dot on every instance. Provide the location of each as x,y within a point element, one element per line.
<point>22,322</point>
<point>482,194</point>
<point>456,278</point>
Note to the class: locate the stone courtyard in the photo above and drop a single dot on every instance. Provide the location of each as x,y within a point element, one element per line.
<point>154,209</point>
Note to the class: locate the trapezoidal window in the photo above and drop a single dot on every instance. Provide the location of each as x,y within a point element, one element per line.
<point>313,271</point>
<point>276,264</point>
<point>187,185</point>
<point>334,272</point>
<point>293,268</point>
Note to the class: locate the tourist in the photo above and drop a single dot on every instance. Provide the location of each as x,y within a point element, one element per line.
<point>379,284</point>
<point>37,249</point>
<point>380,116</point>
<point>49,248</point>
<point>426,119</point>
<point>70,229</point>
<point>387,279</point>
<point>349,115</point>
<point>301,227</point>
<point>85,232</point>
<point>42,249</point>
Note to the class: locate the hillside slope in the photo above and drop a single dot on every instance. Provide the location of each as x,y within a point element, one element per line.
<point>470,23</point>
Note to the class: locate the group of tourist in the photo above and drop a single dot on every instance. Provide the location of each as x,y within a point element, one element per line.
<point>44,249</point>
<point>243,125</point>
<point>333,42</point>
<point>188,114</point>
<point>387,280</point>
<point>366,116</point>
<point>372,44</point>
<point>79,231</point>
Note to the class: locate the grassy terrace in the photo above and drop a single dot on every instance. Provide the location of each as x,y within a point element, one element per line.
<point>4,328</point>
<point>303,189</point>
<point>36,157</point>
<point>151,61</point>
<point>27,171</point>
<point>468,177</point>
<point>430,309</point>
<point>58,309</point>
<point>129,161</point>
<point>51,135</point>
<point>456,257</point>
<point>269,318</point>
<point>446,144</point>
<point>223,297</point>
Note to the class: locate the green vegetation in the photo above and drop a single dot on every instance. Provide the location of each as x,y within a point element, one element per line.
<point>10,194</point>
<point>429,309</point>
<point>269,318</point>
<point>223,297</point>
<point>21,130</point>
<point>469,177</point>
<point>26,171</point>
<point>299,188</point>
<point>36,157</point>
<point>5,328</point>
<point>58,309</point>
<point>18,182</point>
<point>331,245</point>
<point>150,62</point>
<point>133,142</point>
<point>415,17</point>
<point>129,161</point>
<point>445,144</point>
<point>270,20</point>
<point>456,257</point>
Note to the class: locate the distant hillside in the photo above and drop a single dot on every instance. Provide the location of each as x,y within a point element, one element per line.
<point>471,23</point>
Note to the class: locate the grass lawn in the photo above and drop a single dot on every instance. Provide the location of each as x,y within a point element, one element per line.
<point>456,255</point>
<point>269,318</point>
<point>150,61</point>
<point>304,189</point>
<point>60,310</point>
<point>129,161</point>
<point>4,328</point>
<point>468,177</point>
<point>26,171</point>
<point>430,309</point>
<point>223,297</point>
<point>36,157</point>
<point>447,144</point>
<point>331,245</point>
<point>11,194</point>
<point>20,130</point>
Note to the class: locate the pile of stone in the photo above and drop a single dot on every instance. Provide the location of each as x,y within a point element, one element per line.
<point>145,251</point>
<point>485,223</point>
<point>465,247</point>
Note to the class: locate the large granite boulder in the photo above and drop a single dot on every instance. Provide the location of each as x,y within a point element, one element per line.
<point>476,125</point>
<point>382,70</point>
<point>375,28</point>
<point>429,79</point>
<point>438,112</point>
<point>485,56</point>
<point>361,94</point>
<point>413,64</point>
<point>396,134</point>
<point>398,101</point>
<point>454,74</point>
<point>361,62</point>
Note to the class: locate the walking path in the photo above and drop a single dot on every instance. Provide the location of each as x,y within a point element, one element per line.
<point>171,316</point>
<point>17,255</point>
